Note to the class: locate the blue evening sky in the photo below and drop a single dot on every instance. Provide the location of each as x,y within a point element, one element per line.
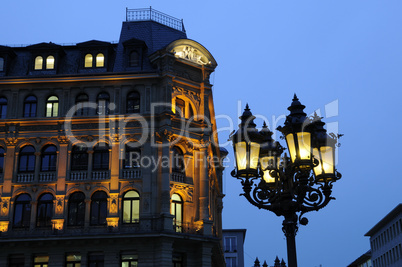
<point>349,51</point>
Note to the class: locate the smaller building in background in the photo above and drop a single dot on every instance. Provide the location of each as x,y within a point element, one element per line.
<point>363,261</point>
<point>386,240</point>
<point>233,246</point>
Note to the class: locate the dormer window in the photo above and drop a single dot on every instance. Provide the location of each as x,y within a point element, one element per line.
<point>49,63</point>
<point>134,59</point>
<point>99,61</point>
<point>1,64</point>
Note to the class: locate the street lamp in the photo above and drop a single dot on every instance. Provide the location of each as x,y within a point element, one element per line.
<point>289,187</point>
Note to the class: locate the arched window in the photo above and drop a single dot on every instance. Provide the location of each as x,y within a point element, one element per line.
<point>79,158</point>
<point>101,157</point>
<point>103,100</point>
<point>30,103</point>
<point>3,107</point>
<point>180,107</point>
<point>50,62</point>
<point>2,151</point>
<point>131,207</point>
<point>133,102</point>
<point>176,209</point>
<point>98,208</point>
<point>45,210</point>
<point>100,60</point>
<point>76,209</point>
<point>177,160</point>
<point>81,105</point>
<point>38,63</point>
<point>27,159</point>
<point>88,61</point>
<point>52,106</point>
<point>132,157</point>
<point>134,59</point>
<point>49,158</point>
<point>22,211</point>
<point>1,64</point>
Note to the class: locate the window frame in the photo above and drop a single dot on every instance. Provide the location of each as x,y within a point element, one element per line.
<point>127,162</point>
<point>3,107</point>
<point>98,198</point>
<point>26,211</point>
<point>131,201</point>
<point>41,263</point>
<point>2,64</point>
<point>52,110</point>
<point>83,157</point>
<point>133,102</point>
<point>80,107</point>
<point>78,205</point>
<point>102,103</point>
<point>2,156</point>
<point>178,165</point>
<point>49,158</point>
<point>38,63</point>
<point>50,62</point>
<point>177,204</point>
<point>44,211</point>
<point>134,62</point>
<point>101,157</point>
<point>30,158</point>
<point>100,60</point>
<point>73,262</point>
<point>30,106</point>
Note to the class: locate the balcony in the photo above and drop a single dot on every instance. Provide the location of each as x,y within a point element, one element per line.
<point>149,14</point>
<point>78,175</point>
<point>100,175</point>
<point>177,177</point>
<point>47,176</point>
<point>134,173</point>
<point>25,177</point>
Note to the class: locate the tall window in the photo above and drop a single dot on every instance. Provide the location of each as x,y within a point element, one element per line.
<point>27,159</point>
<point>2,151</point>
<point>180,107</point>
<point>41,261</point>
<point>50,62</point>
<point>52,106</point>
<point>49,158</point>
<point>3,107</point>
<point>177,160</point>
<point>30,106</point>
<point>22,211</point>
<point>230,244</point>
<point>134,59</point>
<point>79,158</point>
<point>133,102</point>
<point>1,64</point>
<point>103,100</point>
<point>95,260</point>
<point>38,63</point>
<point>176,209</point>
<point>101,157</point>
<point>131,207</point>
<point>76,209</point>
<point>177,260</point>
<point>88,61</point>
<point>98,208</point>
<point>129,260</point>
<point>231,261</point>
<point>73,260</point>
<point>80,104</point>
<point>132,157</point>
<point>45,210</point>
<point>100,60</point>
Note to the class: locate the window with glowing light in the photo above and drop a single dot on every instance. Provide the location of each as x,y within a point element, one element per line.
<point>27,159</point>
<point>73,260</point>
<point>30,104</point>
<point>22,211</point>
<point>131,207</point>
<point>133,102</point>
<point>88,61</point>
<point>76,209</point>
<point>100,60</point>
<point>183,108</point>
<point>49,158</point>
<point>41,261</point>
<point>176,209</point>
<point>50,62</point>
<point>52,106</point>
<point>3,107</point>
<point>45,210</point>
<point>98,208</point>
<point>38,63</point>
<point>129,260</point>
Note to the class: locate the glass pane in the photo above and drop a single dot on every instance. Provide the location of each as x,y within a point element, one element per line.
<point>126,211</point>
<point>38,63</point>
<point>241,155</point>
<point>304,140</point>
<point>254,155</point>
<point>291,146</point>
<point>131,194</point>
<point>50,62</point>
<point>100,60</point>
<point>55,109</point>
<point>88,61</point>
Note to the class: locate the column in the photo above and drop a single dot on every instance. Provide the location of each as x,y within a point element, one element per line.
<point>62,168</point>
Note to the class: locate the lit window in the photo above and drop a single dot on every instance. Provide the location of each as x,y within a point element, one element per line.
<point>73,260</point>
<point>38,63</point>
<point>49,158</point>
<point>134,59</point>
<point>129,260</point>
<point>131,207</point>
<point>27,159</point>
<point>30,106</point>
<point>41,261</point>
<point>79,158</point>
<point>22,211</point>
<point>50,62</point>
<point>76,209</point>
<point>81,105</point>
<point>179,109</point>
<point>1,64</point>
<point>98,208</point>
<point>132,156</point>
<point>3,107</point>
<point>52,106</point>
<point>182,108</point>
<point>88,61</point>
<point>176,209</point>
<point>103,100</point>
<point>100,60</point>
<point>133,102</point>
<point>101,157</point>
<point>45,210</point>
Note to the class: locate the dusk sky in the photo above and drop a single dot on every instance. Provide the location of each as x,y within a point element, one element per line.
<point>342,58</point>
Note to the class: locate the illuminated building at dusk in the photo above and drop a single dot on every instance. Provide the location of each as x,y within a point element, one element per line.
<point>109,154</point>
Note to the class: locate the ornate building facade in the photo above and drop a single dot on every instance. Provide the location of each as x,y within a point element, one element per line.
<point>108,151</point>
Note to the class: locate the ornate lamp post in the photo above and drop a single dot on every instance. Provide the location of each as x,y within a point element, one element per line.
<point>287,186</point>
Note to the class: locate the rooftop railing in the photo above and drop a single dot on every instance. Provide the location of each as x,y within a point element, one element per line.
<point>147,14</point>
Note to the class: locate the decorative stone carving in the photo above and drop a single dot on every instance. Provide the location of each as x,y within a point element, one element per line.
<point>189,53</point>
<point>59,204</point>
<point>11,141</point>
<point>113,222</point>
<point>4,226</point>
<point>193,96</point>
<point>57,224</point>
<point>187,190</point>
<point>5,206</point>
<point>113,203</point>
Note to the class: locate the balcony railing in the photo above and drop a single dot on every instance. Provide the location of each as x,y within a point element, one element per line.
<point>131,173</point>
<point>149,14</point>
<point>177,177</point>
<point>100,175</point>
<point>47,176</point>
<point>25,177</point>
<point>78,175</point>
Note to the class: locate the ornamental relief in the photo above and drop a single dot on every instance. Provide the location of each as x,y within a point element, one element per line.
<point>190,53</point>
<point>188,191</point>
<point>5,206</point>
<point>194,97</point>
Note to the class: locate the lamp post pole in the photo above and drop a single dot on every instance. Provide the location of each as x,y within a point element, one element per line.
<point>287,186</point>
